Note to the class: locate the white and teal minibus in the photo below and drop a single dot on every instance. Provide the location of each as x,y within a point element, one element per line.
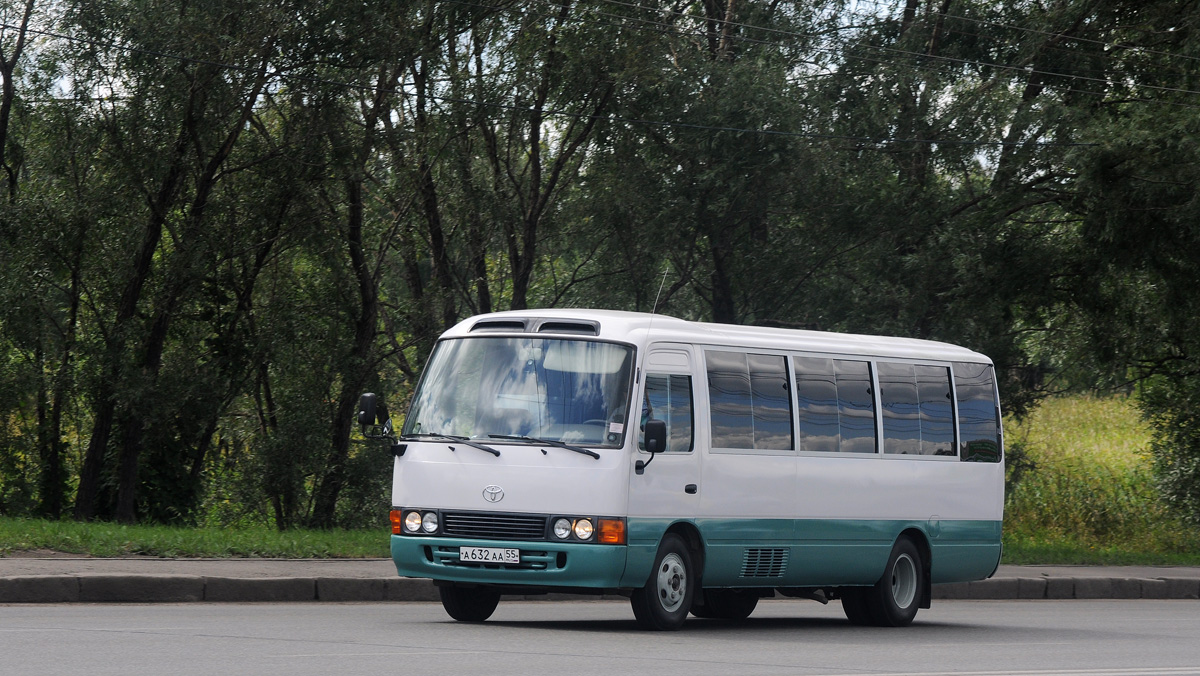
<point>694,468</point>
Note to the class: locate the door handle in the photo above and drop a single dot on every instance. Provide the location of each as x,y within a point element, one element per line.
<point>690,489</point>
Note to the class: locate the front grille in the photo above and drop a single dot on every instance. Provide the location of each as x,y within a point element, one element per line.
<point>490,525</point>
<point>764,562</point>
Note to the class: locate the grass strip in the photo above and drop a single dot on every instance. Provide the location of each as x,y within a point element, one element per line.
<point>109,540</point>
<point>1039,551</point>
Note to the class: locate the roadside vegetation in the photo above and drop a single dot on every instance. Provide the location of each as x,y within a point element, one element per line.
<point>1081,491</point>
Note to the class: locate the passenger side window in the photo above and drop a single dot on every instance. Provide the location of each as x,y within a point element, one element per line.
<point>918,414</point>
<point>669,398</point>
<point>837,408</point>
<point>937,410</point>
<point>817,401</point>
<point>749,400</point>
<point>856,406</point>
<point>978,413</point>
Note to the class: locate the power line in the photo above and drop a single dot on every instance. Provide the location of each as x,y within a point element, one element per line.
<point>948,59</point>
<point>918,56</point>
<point>1036,31</point>
<point>950,29</point>
<point>1025,29</point>
<point>879,141</point>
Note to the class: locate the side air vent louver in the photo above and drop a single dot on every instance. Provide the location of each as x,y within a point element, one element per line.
<point>505,325</point>
<point>574,328</point>
<point>764,562</point>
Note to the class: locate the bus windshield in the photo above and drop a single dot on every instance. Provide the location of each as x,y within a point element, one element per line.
<point>572,391</point>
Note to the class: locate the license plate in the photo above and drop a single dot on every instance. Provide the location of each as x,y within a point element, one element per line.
<point>489,555</point>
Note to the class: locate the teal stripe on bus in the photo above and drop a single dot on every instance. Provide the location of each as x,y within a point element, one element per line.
<point>817,552</point>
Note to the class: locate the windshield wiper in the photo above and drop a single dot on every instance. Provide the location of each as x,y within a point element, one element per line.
<point>450,437</point>
<point>548,442</point>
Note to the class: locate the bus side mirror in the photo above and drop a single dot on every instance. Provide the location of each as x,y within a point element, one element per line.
<point>373,417</point>
<point>366,409</point>
<point>656,436</point>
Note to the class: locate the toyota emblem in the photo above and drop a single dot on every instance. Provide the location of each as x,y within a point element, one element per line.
<point>493,493</point>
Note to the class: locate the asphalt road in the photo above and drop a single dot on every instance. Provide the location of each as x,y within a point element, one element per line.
<point>1042,638</point>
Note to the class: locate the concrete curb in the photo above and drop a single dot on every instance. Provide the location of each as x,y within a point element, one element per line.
<point>1059,588</point>
<point>194,588</point>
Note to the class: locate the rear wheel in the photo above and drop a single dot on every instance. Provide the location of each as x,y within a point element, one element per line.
<point>469,604</point>
<point>893,600</point>
<point>663,603</point>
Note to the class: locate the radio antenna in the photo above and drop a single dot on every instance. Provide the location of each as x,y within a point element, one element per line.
<point>666,269</point>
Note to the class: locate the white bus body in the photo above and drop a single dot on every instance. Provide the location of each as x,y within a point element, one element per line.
<point>821,465</point>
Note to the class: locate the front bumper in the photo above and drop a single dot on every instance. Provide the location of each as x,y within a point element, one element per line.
<point>543,564</point>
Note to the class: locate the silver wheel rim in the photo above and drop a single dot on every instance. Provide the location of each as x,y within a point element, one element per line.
<point>904,581</point>
<point>671,583</point>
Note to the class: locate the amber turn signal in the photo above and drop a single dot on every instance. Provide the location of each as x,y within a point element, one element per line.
<point>611,531</point>
<point>397,521</point>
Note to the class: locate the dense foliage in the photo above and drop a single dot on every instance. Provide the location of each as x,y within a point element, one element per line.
<point>220,221</point>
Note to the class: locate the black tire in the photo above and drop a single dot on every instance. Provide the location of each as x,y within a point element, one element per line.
<point>727,604</point>
<point>662,604</point>
<point>854,604</point>
<point>895,598</point>
<point>469,604</point>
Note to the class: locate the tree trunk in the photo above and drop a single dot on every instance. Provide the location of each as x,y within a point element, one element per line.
<point>186,268</point>
<point>108,391</point>
<point>8,94</point>
<point>358,364</point>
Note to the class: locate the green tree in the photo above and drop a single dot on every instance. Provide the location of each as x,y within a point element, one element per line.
<point>195,110</point>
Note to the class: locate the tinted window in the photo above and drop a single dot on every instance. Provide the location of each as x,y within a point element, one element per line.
<point>817,400</point>
<point>729,400</point>
<point>978,422</point>
<point>669,398</point>
<point>837,408</point>
<point>749,401</point>
<point>937,410</point>
<point>856,406</point>
<point>901,408</point>
<point>772,407</point>
<point>918,413</point>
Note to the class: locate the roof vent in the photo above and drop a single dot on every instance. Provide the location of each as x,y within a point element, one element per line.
<point>499,325</point>
<point>577,328</point>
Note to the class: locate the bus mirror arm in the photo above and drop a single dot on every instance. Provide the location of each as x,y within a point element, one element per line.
<point>656,442</point>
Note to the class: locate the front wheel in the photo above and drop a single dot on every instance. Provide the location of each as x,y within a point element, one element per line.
<point>469,604</point>
<point>662,604</point>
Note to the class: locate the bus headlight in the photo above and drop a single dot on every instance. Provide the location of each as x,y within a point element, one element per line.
<point>583,529</point>
<point>429,523</point>
<point>562,528</point>
<point>412,522</point>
